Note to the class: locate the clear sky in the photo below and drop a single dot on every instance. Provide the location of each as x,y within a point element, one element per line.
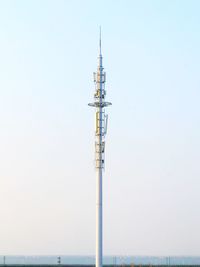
<point>48,52</point>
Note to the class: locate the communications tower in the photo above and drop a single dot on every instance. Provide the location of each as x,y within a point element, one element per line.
<point>100,133</point>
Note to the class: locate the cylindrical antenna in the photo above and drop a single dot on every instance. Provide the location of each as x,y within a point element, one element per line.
<point>100,133</point>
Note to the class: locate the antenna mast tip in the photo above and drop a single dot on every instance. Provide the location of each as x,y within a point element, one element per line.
<point>100,39</point>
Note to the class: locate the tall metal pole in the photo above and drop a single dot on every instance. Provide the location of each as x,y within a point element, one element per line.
<point>100,132</point>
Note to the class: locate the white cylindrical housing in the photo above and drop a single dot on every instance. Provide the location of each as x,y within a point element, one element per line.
<point>99,219</point>
<point>99,189</point>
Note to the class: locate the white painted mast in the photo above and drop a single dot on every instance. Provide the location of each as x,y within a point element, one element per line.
<point>100,132</point>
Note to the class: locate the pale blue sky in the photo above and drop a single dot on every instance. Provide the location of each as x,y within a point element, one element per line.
<point>48,52</point>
